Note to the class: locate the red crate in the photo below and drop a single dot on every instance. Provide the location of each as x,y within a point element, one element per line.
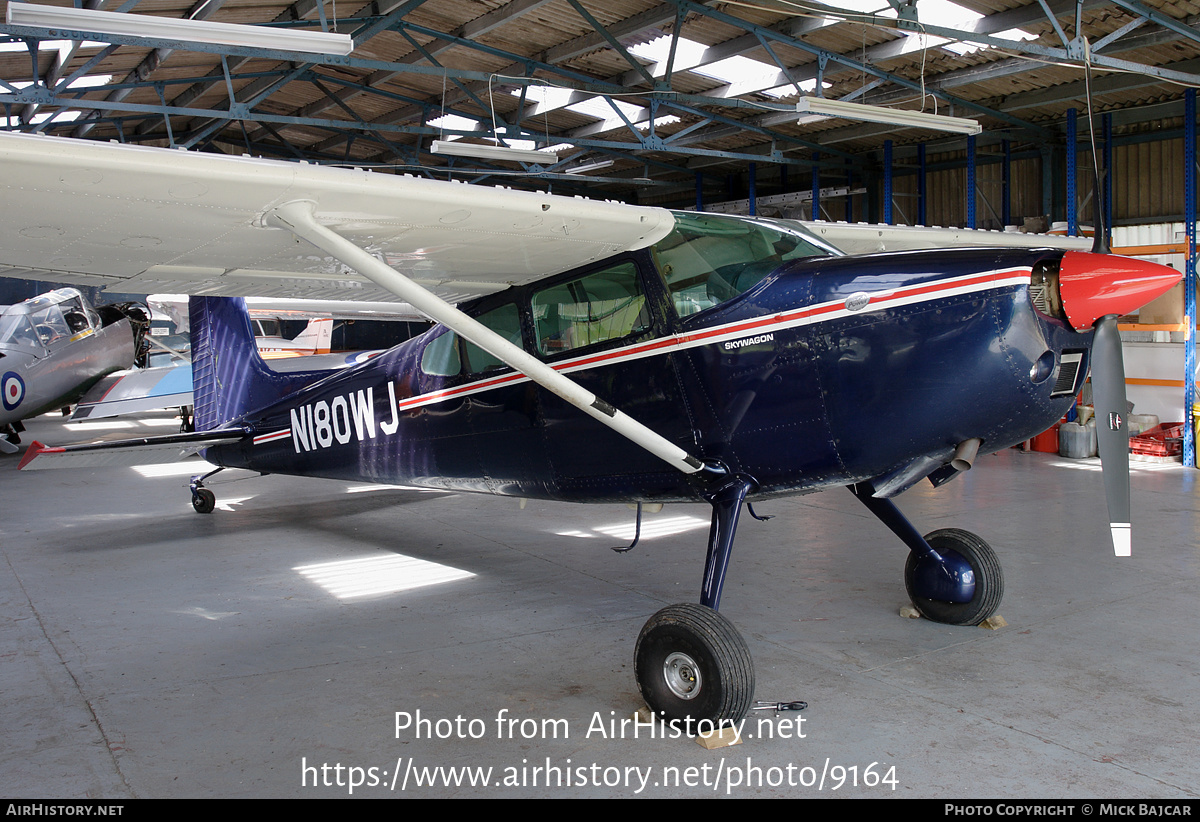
<point>1164,440</point>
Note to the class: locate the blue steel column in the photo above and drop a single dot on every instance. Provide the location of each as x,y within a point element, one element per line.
<point>815,211</point>
<point>699,192</point>
<point>971,195</point>
<point>752,173</point>
<point>887,182</point>
<point>1108,178</point>
<point>921,191</point>
<point>1072,161</point>
<point>1006,184</point>
<point>849,187</point>
<point>1189,288</point>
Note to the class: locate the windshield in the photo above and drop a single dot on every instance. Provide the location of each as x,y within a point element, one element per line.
<point>17,332</point>
<point>710,258</point>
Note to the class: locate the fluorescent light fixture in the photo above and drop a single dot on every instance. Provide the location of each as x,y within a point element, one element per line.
<point>879,114</point>
<point>69,21</point>
<point>584,168</point>
<point>458,149</point>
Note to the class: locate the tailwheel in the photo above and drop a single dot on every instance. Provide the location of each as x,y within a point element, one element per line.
<point>978,591</point>
<point>203,500</point>
<point>692,663</point>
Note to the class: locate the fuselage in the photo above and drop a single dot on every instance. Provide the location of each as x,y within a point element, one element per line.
<point>801,369</point>
<point>53,348</point>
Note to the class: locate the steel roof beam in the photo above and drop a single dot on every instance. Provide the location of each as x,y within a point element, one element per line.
<point>150,63</point>
<point>1017,65</point>
<point>480,26</point>
<point>1166,21</point>
<point>856,65</point>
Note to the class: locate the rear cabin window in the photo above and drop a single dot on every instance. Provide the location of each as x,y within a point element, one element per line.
<point>447,355</point>
<point>604,305</point>
<point>708,259</point>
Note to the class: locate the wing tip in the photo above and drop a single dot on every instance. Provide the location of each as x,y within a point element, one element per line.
<point>35,450</point>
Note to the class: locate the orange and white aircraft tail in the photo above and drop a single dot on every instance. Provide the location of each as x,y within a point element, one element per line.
<point>314,339</point>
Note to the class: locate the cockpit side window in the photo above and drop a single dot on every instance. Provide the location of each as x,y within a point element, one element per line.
<point>604,305</point>
<point>74,315</point>
<point>49,323</point>
<point>708,259</point>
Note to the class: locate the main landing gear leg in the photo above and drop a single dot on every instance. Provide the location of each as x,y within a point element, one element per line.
<point>691,662</point>
<point>951,575</point>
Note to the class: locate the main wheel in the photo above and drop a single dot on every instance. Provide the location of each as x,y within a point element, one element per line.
<point>989,579</point>
<point>204,501</point>
<point>692,662</point>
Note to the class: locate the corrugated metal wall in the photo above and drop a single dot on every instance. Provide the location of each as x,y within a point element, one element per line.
<point>1148,180</point>
<point>1147,186</point>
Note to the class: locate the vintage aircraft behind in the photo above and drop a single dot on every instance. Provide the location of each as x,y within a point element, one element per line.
<point>606,352</point>
<point>54,347</point>
<point>170,386</point>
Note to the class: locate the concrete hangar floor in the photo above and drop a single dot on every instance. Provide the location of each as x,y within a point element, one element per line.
<point>148,651</point>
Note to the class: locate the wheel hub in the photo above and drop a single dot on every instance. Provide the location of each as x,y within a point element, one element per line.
<point>682,675</point>
<point>952,580</point>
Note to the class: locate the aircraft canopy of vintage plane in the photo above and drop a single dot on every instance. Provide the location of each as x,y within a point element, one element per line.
<point>727,358</point>
<point>55,346</point>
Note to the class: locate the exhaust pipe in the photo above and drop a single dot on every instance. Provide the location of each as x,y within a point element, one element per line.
<point>965,454</point>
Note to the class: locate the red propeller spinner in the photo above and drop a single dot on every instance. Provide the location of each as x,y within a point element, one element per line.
<point>1095,285</point>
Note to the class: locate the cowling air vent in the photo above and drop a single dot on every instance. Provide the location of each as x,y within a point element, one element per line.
<point>1065,383</point>
<point>1037,293</point>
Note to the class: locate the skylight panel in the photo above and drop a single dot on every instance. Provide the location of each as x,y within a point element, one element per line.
<point>599,108</point>
<point>51,45</point>
<point>953,16</point>
<point>688,53</point>
<point>659,122</point>
<point>548,98</point>
<point>91,81</point>
<point>789,90</point>
<point>879,7</point>
<point>741,73</point>
<point>943,13</point>
<point>453,121</point>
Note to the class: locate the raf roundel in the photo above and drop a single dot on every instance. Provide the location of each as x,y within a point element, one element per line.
<point>14,390</point>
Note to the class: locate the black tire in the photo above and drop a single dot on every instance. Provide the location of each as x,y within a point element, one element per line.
<point>204,501</point>
<point>989,579</point>
<point>692,662</point>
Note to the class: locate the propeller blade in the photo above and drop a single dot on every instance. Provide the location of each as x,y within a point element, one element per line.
<point>1112,432</point>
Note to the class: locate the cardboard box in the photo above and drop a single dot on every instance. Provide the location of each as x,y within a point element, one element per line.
<point>1165,310</point>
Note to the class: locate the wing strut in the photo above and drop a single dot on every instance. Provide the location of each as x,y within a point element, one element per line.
<point>298,217</point>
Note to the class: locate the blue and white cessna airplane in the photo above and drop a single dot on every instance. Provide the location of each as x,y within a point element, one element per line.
<point>597,352</point>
